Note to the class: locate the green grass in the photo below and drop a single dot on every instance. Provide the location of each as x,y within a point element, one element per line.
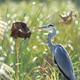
<point>32,51</point>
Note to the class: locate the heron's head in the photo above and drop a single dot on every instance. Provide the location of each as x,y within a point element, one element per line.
<point>47,27</point>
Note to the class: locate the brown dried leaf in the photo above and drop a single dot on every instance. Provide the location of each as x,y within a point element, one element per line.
<point>67,19</point>
<point>49,60</point>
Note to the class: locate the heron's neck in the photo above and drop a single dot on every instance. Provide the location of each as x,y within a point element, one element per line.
<point>50,35</point>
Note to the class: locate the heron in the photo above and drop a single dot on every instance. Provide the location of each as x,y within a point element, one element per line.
<point>61,57</point>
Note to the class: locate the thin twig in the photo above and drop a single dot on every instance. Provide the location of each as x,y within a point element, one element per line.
<point>17,60</point>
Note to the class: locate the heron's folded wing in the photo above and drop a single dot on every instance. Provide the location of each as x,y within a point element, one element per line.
<point>63,60</point>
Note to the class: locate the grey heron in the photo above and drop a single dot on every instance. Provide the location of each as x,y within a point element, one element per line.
<point>61,56</point>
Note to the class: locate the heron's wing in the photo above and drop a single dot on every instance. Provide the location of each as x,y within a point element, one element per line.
<point>63,61</point>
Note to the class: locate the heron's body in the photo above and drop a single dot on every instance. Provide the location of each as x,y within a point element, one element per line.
<point>61,56</point>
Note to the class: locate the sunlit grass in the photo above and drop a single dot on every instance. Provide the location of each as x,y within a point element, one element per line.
<point>32,51</point>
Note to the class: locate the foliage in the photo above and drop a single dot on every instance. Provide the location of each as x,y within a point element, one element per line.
<point>33,65</point>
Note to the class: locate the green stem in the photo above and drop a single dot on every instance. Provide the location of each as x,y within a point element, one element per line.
<point>17,60</point>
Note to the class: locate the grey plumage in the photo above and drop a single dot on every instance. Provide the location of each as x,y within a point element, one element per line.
<point>61,56</point>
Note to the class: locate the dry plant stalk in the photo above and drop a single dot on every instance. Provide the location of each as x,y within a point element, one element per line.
<point>19,30</point>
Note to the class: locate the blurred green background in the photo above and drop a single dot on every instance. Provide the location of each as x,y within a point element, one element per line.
<point>32,52</point>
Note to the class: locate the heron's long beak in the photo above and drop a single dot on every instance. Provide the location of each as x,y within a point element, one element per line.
<point>43,27</point>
